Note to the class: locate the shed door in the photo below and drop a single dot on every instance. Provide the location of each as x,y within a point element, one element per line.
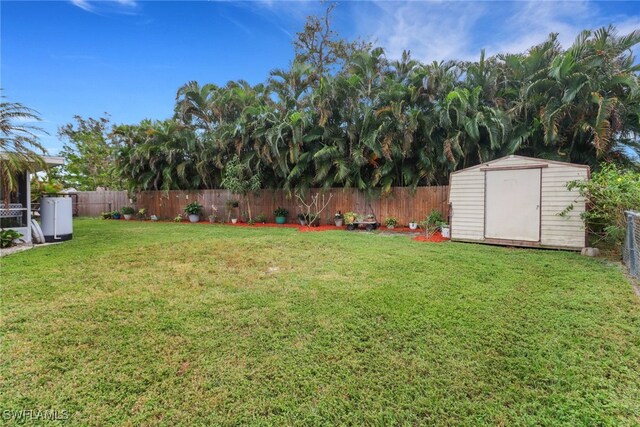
<point>512,204</point>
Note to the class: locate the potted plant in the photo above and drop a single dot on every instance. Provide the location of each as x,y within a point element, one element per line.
<point>128,212</point>
<point>350,218</point>
<point>338,219</point>
<point>281,215</point>
<point>142,213</point>
<point>115,215</point>
<point>445,230</point>
<point>312,219</point>
<point>261,218</point>
<point>193,209</point>
<point>212,218</point>
<point>391,222</point>
<point>302,218</point>
<point>413,225</point>
<point>106,215</point>
<point>231,206</point>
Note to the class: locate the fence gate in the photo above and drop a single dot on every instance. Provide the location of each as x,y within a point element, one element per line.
<point>631,252</point>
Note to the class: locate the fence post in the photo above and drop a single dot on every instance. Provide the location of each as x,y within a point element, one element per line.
<point>631,244</point>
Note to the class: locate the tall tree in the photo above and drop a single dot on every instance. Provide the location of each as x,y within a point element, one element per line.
<point>360,119</point>
<point>319,45</point>
<point>89,153</point>
<point>241,180</point>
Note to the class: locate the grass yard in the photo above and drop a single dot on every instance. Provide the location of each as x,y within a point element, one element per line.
<point>178,324</point>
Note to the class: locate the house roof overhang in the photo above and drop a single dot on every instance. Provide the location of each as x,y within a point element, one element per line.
<point>53,160</point>
<point>50,161</point>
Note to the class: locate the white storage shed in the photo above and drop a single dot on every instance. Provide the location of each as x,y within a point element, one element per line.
<point>516,201</point>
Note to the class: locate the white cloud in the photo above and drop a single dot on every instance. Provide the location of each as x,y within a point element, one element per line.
<point>285,16</point>
<point>117,6</point>
<point>440,30</point>
<point>628,24</point>
<point>82,4</point>
<point>532,22</point>
<point>430,30</point>
<point>238,24</point>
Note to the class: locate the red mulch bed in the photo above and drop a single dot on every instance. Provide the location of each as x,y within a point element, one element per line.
<point>398,229</point>
<point>435,238</point>
<point>302,228</point>
<point>259,224</point>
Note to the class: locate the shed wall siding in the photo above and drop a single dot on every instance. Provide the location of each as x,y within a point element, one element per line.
<point>567,230</point>
<point>467,200</point>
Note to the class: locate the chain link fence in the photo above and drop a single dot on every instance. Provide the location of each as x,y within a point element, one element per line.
<point>631,252</point>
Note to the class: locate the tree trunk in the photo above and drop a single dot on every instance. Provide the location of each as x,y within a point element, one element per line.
<point>248,206</point>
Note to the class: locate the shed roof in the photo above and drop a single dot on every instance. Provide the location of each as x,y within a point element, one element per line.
<point>513,156</point>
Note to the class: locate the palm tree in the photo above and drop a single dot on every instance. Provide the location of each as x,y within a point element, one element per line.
<point>20,149</point>
<point>376,123</point>
<point>579,105</point>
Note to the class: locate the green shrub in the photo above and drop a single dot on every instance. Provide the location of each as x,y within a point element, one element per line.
<point>609,193</point>
<point>350,217</point>
<point>261,218</point>
<point>8,237</point>
<point>193,208</point>
<point>232,203</point>
<point>309,218</point>
<point>434,218</point>
<point>280,212</point>
<point>127,210</point>
<point>41,188</point>
<point>432,222</point>
<point>391,221</point>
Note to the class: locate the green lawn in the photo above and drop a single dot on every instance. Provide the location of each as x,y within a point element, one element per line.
<point>180,324</point>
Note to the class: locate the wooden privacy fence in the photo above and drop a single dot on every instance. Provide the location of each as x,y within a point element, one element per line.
<point>402,203</point>
<point>93,203</point>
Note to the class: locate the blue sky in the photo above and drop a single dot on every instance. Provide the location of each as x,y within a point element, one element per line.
<point>129,57</point>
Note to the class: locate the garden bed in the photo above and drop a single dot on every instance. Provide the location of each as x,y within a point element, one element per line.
<point>435,238</point>
<point>303,228</point>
